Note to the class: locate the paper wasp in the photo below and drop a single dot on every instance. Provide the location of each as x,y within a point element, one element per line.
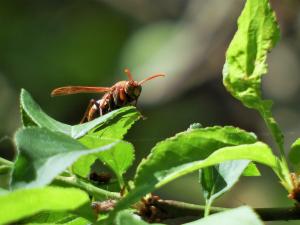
<point>120,94</point>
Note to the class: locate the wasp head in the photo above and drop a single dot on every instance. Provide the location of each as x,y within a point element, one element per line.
<point>133,89</point>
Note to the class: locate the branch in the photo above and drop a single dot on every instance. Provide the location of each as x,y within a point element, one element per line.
<point>89,188</point>
<point>174,209</point>
<point>71,181</point>
<point>170,209</point>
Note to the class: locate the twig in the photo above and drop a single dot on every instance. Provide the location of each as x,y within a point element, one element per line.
<point>170,208</point>
<point>105,206</point>
<point>176,209</point>
<point>89,188</point>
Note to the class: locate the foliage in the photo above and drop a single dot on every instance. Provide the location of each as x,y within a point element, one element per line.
<point>242,215</point>
<point>45,156</point>
<point>257,34</point>
<point>23,203</point>
<point>50,180</point>
<point>246,56</point>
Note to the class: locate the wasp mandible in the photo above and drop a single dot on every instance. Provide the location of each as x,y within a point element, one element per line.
<point>120,94</point>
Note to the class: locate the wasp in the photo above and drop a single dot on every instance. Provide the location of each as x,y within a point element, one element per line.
<point>101,177</point>
<point>120,94</point>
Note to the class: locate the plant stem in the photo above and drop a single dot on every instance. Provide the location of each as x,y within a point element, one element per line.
<point>6,162</point>
<point>5,169</point>
<point>274,129</point>
<point>207,208</point>
<point>89,188</point>
<point>176,209</point>
<point>121,181</point>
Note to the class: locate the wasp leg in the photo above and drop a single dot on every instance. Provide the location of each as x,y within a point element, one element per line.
<point>111,104</point>
<point>122,95</point>
<point>120,98</point>
<point>93,110</point>
<point>90,105</point>
<point>101,111</point>
<point>103,105</point>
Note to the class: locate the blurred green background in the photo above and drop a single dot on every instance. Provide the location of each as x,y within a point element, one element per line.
<point>50,43</point>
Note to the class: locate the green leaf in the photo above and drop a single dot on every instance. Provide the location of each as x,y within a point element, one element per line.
<point>187,147</point>
<point>258,152</point>
<point>121,156</point>
<point>20,204</point>
<point>216,180</point>
<point>127,217</point>
<point>74,221</point>
<point>43,154</point>
<point>257,34</point>
<point>32,114</point>
<point>82,167</point>
<point>118,158</point>
<point>251,170</point>
<point>193,150</point>
<point>112,125</point>
<point>294,154</point>
<point>242,215</point>
<point>49,217</point>
<point>78,221</point>
<point>118,126</point>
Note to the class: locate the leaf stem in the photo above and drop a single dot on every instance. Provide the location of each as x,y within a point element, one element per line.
<point>207,208</point>
<point>283,173</point>
<point>89,188</point>
<point>6,162</point>
<point>120,180</point>
<point>277,136</point>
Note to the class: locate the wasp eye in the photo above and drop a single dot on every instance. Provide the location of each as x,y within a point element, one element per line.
<point>137,91</point>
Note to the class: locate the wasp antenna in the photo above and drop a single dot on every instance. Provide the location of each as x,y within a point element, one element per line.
<point>127,71</point>
<point>152,77</point>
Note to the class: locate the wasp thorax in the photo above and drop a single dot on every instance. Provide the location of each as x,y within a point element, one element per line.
<point>133,89</point>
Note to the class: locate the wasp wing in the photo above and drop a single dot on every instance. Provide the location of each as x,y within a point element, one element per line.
<point>69,90</point>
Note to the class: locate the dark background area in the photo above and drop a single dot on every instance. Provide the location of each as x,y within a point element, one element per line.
<point>50,43</point>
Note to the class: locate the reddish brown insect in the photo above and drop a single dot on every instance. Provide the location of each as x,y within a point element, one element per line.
<point>120,94</point>
<point>100,177</point>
